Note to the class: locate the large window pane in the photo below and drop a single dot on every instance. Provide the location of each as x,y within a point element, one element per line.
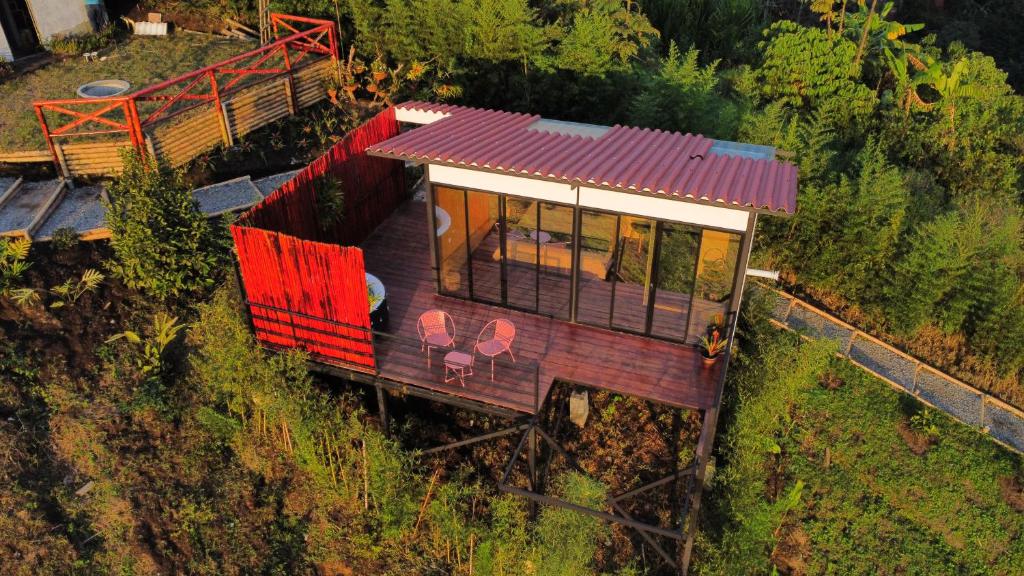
<point>521,252</point>
<point>716,273</point>
<point>554,240</point>
<point>485,245</point>
<point>598,240</point>
<point>677,257</point>
<point>451,244</point>
<point>632,273</point>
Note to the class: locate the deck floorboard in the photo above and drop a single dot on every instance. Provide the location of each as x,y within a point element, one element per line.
<point>398,253</point>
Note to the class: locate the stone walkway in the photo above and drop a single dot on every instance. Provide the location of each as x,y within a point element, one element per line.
<point>35,210</point>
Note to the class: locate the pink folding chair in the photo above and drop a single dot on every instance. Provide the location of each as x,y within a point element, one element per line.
<point>437,330</point>
<point>495,339</point>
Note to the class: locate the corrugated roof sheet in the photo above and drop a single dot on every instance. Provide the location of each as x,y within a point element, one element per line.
<point>622,158</point>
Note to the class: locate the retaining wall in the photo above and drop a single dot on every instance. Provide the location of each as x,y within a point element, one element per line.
<point>960,400</point>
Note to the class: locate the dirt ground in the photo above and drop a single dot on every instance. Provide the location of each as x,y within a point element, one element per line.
<point>66,336</point>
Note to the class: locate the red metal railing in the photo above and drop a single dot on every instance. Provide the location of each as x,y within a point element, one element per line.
<point>78,117</point>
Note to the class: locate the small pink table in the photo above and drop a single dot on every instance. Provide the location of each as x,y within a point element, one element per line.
<point>540,236</point>
<point>458,363</point>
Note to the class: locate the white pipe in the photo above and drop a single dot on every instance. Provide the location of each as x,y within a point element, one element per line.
<point>770,274</point>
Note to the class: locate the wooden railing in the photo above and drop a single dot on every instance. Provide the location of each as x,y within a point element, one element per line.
<point>128,120</point>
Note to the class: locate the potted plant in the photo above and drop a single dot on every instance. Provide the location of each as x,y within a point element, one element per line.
<point>717,324</point>
<point>711,347</point>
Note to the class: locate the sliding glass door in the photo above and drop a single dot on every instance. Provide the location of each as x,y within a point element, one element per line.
<point>673,286</point>
<point>629,273</point>
<point>716,276</point>
<point>521,254</point>
<point>555,247</point>
<point>598,251</point>
<point>652,271</point>
<point>633,270</point>
<point>452,241</point>
<point>485,245</point>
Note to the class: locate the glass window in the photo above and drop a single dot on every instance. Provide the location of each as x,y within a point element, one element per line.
<point>452,259</point>
<point>716,274</point>
<point>521,253</point>
<point>677,256</point>
<point>633,269</point>
<point>555,245</point>
<point>598,240</point>
<point>484,245</point>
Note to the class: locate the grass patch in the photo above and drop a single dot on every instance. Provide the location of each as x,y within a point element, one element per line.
<point>828,470</point>
<point>140,61</point>
<point>873,506</point>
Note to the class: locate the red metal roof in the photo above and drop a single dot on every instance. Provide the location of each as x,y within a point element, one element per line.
<point>621,158</point>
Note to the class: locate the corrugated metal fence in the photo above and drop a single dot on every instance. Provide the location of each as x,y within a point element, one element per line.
<point>960,400</point>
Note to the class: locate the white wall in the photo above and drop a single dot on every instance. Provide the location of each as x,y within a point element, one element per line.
<point>5,48</point>
<point>527,187</point>
<point>664,209</point>
<point>55,17</point>
<point>618,202</point>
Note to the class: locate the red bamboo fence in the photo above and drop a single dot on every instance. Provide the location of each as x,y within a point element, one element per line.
<point>304,289</point>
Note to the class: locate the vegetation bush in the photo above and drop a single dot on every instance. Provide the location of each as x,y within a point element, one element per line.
<point>818,476</point>
<point>756,500</point>
<point>77,44</point>
<point>162,244</point>
<point>13,263</point>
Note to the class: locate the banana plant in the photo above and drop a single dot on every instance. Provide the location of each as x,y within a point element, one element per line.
<point>876,34</point>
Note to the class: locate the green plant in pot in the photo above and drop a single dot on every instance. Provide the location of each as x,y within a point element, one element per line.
<point>373,297</point>
<point>717,324</point>
<point>711,347</point>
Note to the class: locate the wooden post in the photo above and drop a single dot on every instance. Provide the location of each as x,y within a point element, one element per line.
<point>532,460</point>
<point>222,118</point>
<point>62,162</point>
<point>382,406</point>
<point>289,87</point>
<point>227,123</point>
<point>150,148</point>
<point>290,96</point>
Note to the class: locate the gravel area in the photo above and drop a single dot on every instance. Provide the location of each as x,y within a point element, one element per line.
<point>884,362</point>
<point>229,196</point>
<point>803,320</point>
<point>81,209</point>
<point>6,183</point>
<point>28,201</point>
<point>1006,425</point>
<point>270,183</point>
<point>963,403</point>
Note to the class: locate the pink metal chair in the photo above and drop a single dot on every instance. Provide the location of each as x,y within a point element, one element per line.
<point>495,339</point>
<point>437,330</point>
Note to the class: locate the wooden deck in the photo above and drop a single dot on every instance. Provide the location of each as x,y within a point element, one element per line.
<point>546,349</point>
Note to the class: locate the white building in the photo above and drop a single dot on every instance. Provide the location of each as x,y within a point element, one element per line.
<point>26,24</point>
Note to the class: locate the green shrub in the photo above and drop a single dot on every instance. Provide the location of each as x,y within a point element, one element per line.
<point>565,540</point>
<point>76,44</point>
<point>64,239</point>
<point>768,388</point>
<point>162,244</point>
<point>506,551</point>
<point>13,264</point>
